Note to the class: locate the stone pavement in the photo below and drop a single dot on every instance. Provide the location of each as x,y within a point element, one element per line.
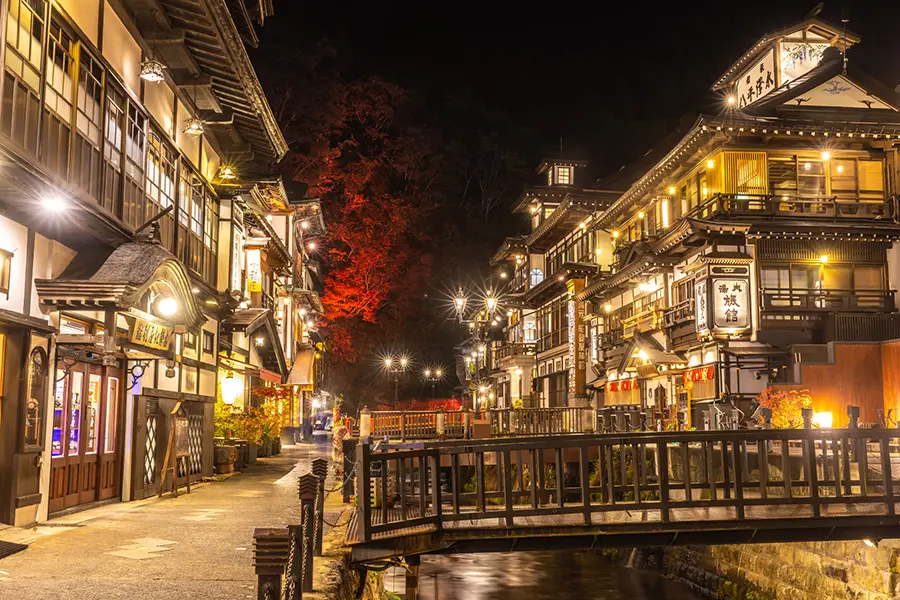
<point>194,546</point>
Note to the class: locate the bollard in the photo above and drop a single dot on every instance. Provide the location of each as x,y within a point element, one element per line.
<point>365,423</point>
<point>293,571</point>
<point>306,487</point>
<point>439,424</point>
<point>620,421</point>
<point>643,421</point>
<point>807,413</point>
<point>349,450</point>
<point>320,470</point>
<point>271,548</point>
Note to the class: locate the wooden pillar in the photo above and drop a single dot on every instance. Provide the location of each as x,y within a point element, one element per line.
<point>412,577</point>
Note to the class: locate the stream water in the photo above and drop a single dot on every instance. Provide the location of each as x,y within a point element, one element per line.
<point>535,576</point>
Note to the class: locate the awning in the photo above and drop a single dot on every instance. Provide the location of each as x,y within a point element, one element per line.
<point>253,320</point>
<point>303,370</point>
<point>121,281</point>
<point>269,376</point>
<point>656,354</point>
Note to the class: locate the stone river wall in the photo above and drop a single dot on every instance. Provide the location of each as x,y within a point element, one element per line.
<point>801,571</point>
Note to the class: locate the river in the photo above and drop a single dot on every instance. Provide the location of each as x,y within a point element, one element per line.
<point>535,576</point>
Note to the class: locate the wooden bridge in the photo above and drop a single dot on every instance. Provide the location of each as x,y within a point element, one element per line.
<point>629,489</point>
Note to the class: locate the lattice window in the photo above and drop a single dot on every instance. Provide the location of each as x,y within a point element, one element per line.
<point>195,443</point>
<point>150,451</point>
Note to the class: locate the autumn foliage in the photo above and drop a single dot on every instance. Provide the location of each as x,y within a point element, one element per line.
<point>786,406</point>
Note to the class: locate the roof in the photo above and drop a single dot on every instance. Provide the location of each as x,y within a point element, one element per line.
<point>251,320</point>
<point>832,33</point>
<point>546,163</point>
<point>120,281</point>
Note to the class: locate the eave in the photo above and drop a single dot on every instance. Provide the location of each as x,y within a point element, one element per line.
<point>564,218</point>
<point>510,245</point>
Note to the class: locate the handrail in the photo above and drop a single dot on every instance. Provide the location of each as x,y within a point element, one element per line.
<point>779,205</point>
<point>825,299</point>
<point>541,421</point>
<point>667,480</point>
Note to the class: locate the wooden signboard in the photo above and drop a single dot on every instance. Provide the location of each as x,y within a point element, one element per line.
<point>178,449</point>
<point>150,334</point>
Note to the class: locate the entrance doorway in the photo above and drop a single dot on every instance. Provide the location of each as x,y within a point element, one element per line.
<point>85,456</point>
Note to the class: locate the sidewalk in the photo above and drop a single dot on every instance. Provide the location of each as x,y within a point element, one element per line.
<point>194,546</point>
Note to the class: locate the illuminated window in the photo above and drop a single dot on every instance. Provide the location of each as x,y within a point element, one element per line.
<point>5,269</point>
<point>24,39</point>
<point>209,340</point>
<point>71,326</point>
<point>564,175</point>
<point>34,407</point>
<point>536,277</point>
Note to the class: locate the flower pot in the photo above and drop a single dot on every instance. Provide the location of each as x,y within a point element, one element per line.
<point>224,459</point>
<point>254,453</point>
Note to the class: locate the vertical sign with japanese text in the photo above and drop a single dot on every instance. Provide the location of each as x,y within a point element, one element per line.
<point>577,347</point>
<point>254,270</point>
<point>700,307</point>
<point>732,303</point>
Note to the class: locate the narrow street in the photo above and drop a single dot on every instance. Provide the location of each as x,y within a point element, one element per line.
<point>195,546</point>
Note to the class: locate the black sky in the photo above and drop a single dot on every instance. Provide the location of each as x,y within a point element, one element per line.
<point>607,79</point>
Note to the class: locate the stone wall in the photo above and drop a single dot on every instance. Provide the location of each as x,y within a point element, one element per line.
<point>334,577</point>
<point>802,571</point>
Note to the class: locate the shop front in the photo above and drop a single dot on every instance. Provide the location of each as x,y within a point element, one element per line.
<point>129,360</point>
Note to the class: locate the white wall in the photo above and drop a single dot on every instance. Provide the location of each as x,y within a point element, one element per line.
<point>120,49</point>
<point>86,14</point>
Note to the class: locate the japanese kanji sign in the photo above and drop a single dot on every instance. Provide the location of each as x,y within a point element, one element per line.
<point>702,307</point>
<point>732,303</point>
<point>152,335</point>
<point>577,346</point>
<point>757,81</point>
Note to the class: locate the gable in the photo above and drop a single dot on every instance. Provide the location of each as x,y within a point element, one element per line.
<point>838,92</point>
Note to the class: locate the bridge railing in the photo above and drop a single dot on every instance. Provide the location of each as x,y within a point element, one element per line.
<point>657,479</point>
<point>541,421</point>
<point>418,425</point>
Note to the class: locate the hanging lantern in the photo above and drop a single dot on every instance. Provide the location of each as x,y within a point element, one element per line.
<point>226,173</point>
<point>193,126</point>
<point>152,70</point>
<point>232,388</point>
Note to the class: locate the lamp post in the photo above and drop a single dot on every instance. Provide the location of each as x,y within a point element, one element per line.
<point>396,366</point>
<point>433,376</point>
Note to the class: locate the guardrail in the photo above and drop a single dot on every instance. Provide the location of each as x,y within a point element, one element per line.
<point>780,205</point>
<point>665,481</point>
<point>418,425</point>
<point>541,421</point>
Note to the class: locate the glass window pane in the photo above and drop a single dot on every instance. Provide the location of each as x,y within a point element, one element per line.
<point>837,278</point>
<point>804,278</point>
<point>59,409</point>
<point>843,178</point>
<point>811,177</point>
<point>34,408</point>
<point>871,178</point>
<point>771,278</point>
<point>92,414</point>
<point>112,402</point>
<point>868,278</point>
<point>783,175</point>
<point>74,416</point>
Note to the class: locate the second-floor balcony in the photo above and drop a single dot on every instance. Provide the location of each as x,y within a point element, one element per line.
<point>507,352</point>
<point>770,206</point>
<point>681,312</point>
<point>826,300</point>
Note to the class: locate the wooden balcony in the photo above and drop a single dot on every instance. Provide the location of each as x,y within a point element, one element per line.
<point>683,312</point>
<point>772,206</point>
<point>511,350</point>
<point>644,321</point>
<point>826,301</point>
<point>862,328</point>
<point>611,339</point>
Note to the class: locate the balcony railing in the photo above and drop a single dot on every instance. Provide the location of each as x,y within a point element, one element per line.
<point>677,314</point>
<point>541,421</point>
<point>608,339</point>
<point>862,328</point>
<point>513,349</point>
<point>776,205</point>
<point>825,301</point>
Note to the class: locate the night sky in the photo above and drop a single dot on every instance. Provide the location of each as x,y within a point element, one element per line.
<point>608,80</point>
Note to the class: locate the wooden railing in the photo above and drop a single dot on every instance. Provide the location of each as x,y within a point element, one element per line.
<point>511,349</point>
<point>541,421</point>
<point>678,313</point>
<point>862,328</point>
<point>418,425</point>
<point>778,205</point>
<point>669,482</point>
<point>828,300</point>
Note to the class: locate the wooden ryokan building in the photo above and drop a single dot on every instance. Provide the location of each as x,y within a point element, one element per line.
<point>754,247</point>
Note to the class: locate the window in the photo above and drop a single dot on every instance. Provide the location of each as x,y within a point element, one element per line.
<point>783,176</point>
<point>5,271</point>
<point>564,175</point>
<point>811,179</point>
<point>70,326</point>
<point>135,156</point>
<point>871,179</point>
<point>37,390</point>
<point>868,277</point>
<point>88,122</point>
<point>209,340</point>
<point>530,331</point>
<point>92,414</point>
<point>536,277</point>
<point>198,221</point>
<point>24,55</point>
<point>59,97</point>
<point>161,159</point>
<point>113,134</point>
<point>189,341</point>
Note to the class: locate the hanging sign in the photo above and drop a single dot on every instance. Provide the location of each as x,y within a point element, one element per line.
<point>150,334</point>
<point>577,347</point>
<point>701,310</point>
<point>706,373</point>
<point>625,385</point>
<point>732,303</point>
<point>254,270</point>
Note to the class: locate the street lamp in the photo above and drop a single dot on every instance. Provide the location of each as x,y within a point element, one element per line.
<point>396,366</point>
<point>433,376</point>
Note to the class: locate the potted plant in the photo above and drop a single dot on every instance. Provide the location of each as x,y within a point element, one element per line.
<point>224,454</point>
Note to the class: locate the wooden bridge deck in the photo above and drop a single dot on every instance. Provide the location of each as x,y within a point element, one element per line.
<point>691,488</point>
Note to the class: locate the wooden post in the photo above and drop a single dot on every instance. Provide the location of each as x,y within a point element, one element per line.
<point>439,424</point>
<point>403,427</point>
<point>412,577</point>
<point>320,470</point>
<point>467,424</point>
<point>364,490</point>
<point>348,446</point>
<point>306,487</point>
<point>270,555</point>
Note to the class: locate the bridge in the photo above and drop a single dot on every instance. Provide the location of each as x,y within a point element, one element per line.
<point>625,489</point>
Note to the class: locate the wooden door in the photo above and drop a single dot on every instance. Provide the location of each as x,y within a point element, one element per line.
<point>92,415</point>
<point>109,450</point>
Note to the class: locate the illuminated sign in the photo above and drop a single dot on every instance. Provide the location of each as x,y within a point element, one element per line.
<point>149,334</point>
<point>702,311</point>
<point>626,385</point>
<point>732,303</point>
<point>706,373</point>
<point>254,270</point>
<point>757,81</point>
<point>577,346</point>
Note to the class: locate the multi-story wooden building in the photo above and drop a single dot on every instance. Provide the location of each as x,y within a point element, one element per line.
<point>132,133</point>
<point>754,247</point>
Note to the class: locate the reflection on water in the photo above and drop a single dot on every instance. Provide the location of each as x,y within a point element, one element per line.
<point>535,576</point>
